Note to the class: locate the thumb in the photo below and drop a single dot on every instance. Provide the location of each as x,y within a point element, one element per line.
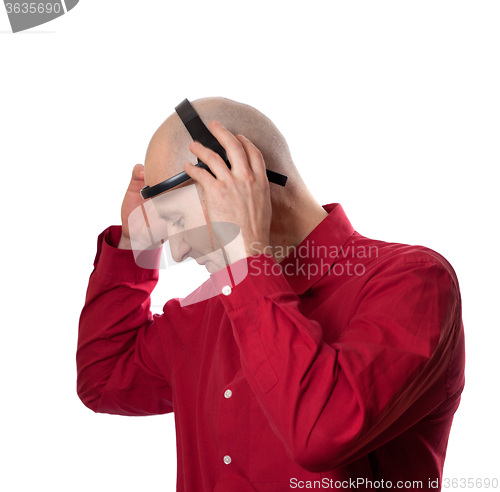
<point>138,173</point>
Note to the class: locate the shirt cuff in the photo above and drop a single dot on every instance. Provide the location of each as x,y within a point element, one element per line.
<point>119,264</point>
<point>252,279</point>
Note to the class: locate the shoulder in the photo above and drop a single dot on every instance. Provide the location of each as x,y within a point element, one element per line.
<point>386,256</point>
<point>397,274</point>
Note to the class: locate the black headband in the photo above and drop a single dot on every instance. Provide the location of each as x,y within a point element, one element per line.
<point>200,133</point>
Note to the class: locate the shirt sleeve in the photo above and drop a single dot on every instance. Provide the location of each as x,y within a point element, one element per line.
<point>118,340</point>
<point>331,403</point>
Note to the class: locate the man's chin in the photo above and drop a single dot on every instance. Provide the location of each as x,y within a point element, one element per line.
<point>211,267</point>
<point>211,263</point>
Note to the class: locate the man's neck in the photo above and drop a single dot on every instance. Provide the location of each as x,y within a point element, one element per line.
<point>291,224</point>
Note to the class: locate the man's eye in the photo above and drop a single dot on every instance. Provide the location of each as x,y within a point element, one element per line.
<point>179,222</point>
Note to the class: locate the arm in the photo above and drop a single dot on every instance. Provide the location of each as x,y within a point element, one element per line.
<point>118,339</point>
<point>330,403</point>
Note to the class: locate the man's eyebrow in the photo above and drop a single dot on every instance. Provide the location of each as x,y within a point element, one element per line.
<point>169,214</point>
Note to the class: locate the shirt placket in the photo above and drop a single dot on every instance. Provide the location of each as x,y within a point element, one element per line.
<point>233,426</point>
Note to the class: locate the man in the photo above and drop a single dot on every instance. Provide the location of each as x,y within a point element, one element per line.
<point>336,362</point>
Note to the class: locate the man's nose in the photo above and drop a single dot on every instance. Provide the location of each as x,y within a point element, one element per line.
<point>179,248</point>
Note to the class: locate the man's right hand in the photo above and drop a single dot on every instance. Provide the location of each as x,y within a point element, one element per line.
<point>131,201</point>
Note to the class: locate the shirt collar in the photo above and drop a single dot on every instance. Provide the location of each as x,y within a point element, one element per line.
<point>314,256</point>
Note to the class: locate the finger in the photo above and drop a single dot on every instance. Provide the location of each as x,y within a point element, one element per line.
<point>211,159</point>
<point>138,173</point>
<point>199,175</point>
<point>254,157</point>
<point>235,152</point>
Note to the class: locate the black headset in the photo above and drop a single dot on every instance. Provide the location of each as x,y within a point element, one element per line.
<point>200,133</point>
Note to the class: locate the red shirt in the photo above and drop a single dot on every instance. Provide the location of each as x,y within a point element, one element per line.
<point>340,367</point>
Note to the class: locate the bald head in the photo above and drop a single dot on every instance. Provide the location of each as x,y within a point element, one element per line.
<point>295,213</point>
<point>168,150</point>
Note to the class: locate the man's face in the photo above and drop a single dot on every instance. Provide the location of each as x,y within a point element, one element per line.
<point>178,217</point>
<point>181,218</point>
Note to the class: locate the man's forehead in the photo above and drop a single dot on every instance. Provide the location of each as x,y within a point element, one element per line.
<point>183,199</point>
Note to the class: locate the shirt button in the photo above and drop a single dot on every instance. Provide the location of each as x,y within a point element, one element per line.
<point>227,459</point>
<point>226,290</point>
<point>228,393</point>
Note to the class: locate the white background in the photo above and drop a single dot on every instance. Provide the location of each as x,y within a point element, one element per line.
<point>390,108</point>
